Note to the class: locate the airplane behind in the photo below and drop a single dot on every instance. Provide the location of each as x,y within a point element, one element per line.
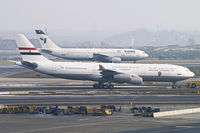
<point>94,54</point>
<point>103,73</point>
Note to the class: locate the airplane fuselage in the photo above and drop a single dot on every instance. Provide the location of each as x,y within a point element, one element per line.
<point>88,54</point>
<point>100,72</point>
<point>90,71</point>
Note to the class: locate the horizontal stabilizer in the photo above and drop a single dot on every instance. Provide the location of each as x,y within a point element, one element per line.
<point>29,64</point>
<point>25,64</point>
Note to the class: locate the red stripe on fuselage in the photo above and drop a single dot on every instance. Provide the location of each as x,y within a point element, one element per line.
<point>23,48</point>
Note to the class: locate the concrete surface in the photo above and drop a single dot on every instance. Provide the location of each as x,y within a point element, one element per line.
<point>118,123</point>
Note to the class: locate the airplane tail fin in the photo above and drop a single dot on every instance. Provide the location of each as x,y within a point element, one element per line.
<point>27,51</point>
<point>45,41</point>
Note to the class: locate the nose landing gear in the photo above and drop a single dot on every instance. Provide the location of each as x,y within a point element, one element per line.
<point>174,85</point>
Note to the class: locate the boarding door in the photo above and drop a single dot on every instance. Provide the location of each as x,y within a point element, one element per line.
<point>159,74</point>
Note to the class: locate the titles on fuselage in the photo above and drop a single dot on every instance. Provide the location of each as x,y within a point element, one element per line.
<point>129,51</point>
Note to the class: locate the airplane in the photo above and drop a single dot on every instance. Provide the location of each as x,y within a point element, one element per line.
<point>94,54</point>
<point>103,73</point>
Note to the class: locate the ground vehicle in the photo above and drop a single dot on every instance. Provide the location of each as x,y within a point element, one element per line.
<point>194,84</point>
<point>144,111</point>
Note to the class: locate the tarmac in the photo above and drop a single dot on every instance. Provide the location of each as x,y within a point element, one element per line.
<point>6,99</point>
<point>81,93</point>
<point>119,122</point>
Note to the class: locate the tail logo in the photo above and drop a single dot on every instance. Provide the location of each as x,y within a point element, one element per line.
<point>44,39</point>
<point>28,51</point>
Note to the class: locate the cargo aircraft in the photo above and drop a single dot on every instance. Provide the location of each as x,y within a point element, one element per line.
<point>104,74</point>
<point>92,54</point>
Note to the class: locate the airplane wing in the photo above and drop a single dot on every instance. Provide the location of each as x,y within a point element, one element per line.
<point>100,57</point>
<point>106,73</point>
<point>105,58</point>
<point>111,75</point>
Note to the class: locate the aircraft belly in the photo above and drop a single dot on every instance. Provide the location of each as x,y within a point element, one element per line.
<point>78,56</point>
<point>84,73</point>
<point>79,76</point>
<point>163,78</point>
<point>130,58</point>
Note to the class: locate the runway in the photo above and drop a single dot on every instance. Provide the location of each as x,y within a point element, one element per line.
<point>99,98</point>
<point>75,91</point>
<point>86,88</point>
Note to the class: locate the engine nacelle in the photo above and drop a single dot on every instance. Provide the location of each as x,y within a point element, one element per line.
<point>116,59</point>
<point>128,78</point>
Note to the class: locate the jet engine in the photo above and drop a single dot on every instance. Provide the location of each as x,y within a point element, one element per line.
<point>128,78</point>
<point>115,59</point>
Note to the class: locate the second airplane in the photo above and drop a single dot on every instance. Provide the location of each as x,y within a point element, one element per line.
<point>94,54</point>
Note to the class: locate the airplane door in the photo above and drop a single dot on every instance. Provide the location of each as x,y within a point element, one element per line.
<point>159,74</point>
<point>121,52</point>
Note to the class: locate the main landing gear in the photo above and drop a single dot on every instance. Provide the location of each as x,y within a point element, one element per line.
<point>174,85</point>
<point>102,85</point>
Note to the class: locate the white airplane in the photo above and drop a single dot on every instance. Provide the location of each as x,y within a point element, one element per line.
<point>102,73</point>
<point>95,54</point>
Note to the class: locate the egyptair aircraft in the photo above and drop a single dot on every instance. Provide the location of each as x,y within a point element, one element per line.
<point>95,54</point>
<point>103,73</point>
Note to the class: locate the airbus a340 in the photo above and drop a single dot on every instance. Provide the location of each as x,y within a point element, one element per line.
<point>92,54</point>
<point>104,74</point>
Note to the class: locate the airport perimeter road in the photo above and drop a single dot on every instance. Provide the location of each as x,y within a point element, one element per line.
<point>4,99</point>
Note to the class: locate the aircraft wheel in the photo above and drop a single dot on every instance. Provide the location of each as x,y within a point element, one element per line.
<point>101,86</point>
<point>110,86</point>
<point>193,85</point>
<point>174,86</point>
<point>95,86</point>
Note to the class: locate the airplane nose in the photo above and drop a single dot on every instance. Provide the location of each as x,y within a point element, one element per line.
<point>192,74</point>
<point>146,55</point>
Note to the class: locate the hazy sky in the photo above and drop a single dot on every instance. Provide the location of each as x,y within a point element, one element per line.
<point>100,14</point>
